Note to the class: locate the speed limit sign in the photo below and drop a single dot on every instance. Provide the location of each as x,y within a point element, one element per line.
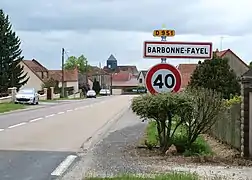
<point>163,78</point>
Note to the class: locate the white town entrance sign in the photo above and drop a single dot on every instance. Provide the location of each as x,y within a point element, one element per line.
<point>167,49</point>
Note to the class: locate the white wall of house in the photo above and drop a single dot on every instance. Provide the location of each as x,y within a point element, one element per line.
<point>74,84</point>
<point>116,91</point>
<point>34,81</point>
<point>141,80</point>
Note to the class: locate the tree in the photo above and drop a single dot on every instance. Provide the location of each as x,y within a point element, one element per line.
<point>216,74</point>
<point>80,62</point>
<point>11,72</point>
<point>250,65</point>
<point>96,86</point>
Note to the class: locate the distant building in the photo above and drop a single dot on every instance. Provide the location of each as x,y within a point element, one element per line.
<point>111,62</point>
<point>112,66</point>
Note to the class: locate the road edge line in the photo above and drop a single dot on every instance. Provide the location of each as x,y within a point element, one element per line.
<point>64,165</point>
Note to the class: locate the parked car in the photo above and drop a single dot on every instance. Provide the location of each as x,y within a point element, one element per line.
<point>91,94</point>
<point>104,92</point>
<point>27,96</point>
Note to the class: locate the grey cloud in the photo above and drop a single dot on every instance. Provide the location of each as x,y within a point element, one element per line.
<point>141,15</point>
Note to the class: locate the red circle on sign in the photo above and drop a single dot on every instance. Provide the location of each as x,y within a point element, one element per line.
<point>157,67</point>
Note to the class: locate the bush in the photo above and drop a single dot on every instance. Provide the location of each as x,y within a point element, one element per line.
<point>179,140</point>
<point>4,95</point>
<point>208,108</point>
<point>162,108</point>
<point>193,111</point>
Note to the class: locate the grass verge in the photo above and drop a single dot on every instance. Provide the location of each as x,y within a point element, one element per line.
<point>6,107</point>
<point>200,146</point>
<point>170,176</point>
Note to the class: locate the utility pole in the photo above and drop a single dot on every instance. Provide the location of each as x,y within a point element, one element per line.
<point>221,39</point>
<point>86,71</point>
<point>62,78</point>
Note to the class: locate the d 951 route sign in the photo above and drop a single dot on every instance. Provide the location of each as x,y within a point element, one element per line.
<point>163,78</point>
<point>160,33</point>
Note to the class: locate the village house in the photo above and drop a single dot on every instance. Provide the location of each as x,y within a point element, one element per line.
<point>141,78</point>
<point>235,63</point>
<point>39,75</point>
<point>122,76</point>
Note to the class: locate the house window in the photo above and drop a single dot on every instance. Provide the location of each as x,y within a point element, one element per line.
<point>42,74</point>
<point>141,80</point>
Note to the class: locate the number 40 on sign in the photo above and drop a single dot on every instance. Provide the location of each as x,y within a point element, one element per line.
<point>163,78</point>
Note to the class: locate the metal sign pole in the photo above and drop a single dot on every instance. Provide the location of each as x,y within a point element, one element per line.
<point>163,38</point>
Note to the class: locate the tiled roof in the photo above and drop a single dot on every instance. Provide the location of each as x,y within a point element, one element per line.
<point>121,76</point>
<point>131,82</point>
<point>186,71</point>
<point>131,69</point>
<point>35,65</point>
<point>96,70</point>
<point>69,75</point>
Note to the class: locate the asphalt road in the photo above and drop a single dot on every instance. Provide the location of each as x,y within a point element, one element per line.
<point>40,144</point>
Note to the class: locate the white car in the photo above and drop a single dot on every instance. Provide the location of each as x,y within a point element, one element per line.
<point>91,94</point>
<point>104,92</point>
<point>27,96</point>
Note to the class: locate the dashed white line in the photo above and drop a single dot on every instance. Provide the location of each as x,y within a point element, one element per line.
<point>64,165</point>
<point>1,130</point>
<point>51,115</point>
<point>16,125</point>
<point>76,109</point>
<point>69,110</point>
<point>60,112</point>
<point>37,119</point>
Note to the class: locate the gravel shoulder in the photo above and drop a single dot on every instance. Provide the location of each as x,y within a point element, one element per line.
<point>108,156</point>
<point>116,153</point>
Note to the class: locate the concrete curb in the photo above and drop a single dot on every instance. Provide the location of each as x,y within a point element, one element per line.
<point>89,145</point>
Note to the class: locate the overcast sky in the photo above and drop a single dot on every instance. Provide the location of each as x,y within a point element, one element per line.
<point>98,28</point>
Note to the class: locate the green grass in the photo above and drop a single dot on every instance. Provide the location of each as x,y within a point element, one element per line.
<point>200,146</point>
<point>170,176</point>
<point>6,107</point>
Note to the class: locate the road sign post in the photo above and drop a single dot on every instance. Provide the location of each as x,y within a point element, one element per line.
<point>164,33</point>
<point>163,78</point>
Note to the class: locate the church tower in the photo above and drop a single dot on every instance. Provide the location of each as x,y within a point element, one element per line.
<point>112,62</point>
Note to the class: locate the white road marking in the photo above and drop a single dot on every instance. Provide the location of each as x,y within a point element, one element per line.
<point>1,130</point>
<point>64,165</point>
<point>61,112</point>
<point>69,110</point>
<point>16,125</point>
<point>37,119</point>
<point>76,108</point>
<point>51,115</point>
